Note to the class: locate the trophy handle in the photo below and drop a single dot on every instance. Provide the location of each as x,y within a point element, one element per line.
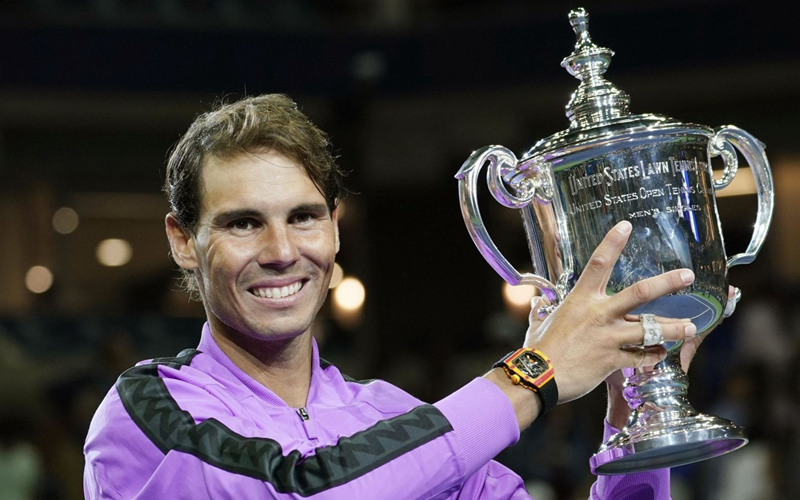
<point>502,161</point>
<point>722,144</point>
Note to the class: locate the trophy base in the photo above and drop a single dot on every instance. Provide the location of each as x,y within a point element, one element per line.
<point>681,442</point>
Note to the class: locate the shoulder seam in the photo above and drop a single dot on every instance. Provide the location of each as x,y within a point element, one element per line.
<point>324,364</point>
<point>142,384</point>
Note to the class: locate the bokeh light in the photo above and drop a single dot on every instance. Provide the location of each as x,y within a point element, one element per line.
<point>349,295</point>
<point>742,184</point>
<point>38,279</point>
<point>517,300</point>
<point>114,252</point>
<point>65,220</point>
<point>519,295</point>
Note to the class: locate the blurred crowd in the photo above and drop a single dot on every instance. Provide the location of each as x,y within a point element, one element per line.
<point>55,372</point>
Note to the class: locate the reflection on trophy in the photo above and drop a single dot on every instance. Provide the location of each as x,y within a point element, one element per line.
<point>609,165</point>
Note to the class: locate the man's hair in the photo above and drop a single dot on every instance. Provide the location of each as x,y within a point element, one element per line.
<point>270,122</point>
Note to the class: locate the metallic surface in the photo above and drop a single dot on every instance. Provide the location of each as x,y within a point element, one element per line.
<point>652,330</point>
<point>574,186</point>
<point>664,430</point>
<point>468,182</point>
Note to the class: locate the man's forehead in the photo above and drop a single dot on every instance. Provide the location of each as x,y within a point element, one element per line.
<point>246,158</point>
<point>256,178</point>
<point>265,167</point>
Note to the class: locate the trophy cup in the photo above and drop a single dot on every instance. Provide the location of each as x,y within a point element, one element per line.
<point>574,186</point>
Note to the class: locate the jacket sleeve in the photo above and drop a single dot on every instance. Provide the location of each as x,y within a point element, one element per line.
<point>143,445</point>
<point>495,482</point>
<point>492,482</point>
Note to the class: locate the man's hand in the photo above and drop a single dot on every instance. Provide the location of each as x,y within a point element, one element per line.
<point>689,348</point>
<point>618,410</point>
<point>585,334</point>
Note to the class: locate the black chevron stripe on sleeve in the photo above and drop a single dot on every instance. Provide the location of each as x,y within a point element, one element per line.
<point>150,405</point>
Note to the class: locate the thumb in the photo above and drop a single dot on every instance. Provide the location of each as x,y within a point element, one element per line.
<point>534,318</point>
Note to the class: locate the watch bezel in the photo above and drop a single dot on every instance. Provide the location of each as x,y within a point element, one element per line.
<point>537,381</point>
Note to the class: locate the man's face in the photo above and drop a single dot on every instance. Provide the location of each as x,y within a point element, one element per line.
<point>264,245</point>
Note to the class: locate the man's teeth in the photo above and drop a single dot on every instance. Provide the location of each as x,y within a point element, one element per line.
<point>277,293</point>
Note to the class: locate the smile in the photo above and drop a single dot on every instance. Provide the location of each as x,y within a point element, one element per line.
<point>277,292</point>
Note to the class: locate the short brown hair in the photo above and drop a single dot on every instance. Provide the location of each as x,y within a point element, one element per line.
<point>269,122</point>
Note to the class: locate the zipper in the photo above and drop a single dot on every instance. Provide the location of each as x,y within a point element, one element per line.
<point>303,414</point>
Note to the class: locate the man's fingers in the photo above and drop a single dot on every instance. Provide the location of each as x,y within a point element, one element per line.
<point>537,303</point>
<point>637,358</point>
<point>633,333</point>
<point>661,319</point>
<point>598,269</point>
<point>650,289</point>
<point>734,294</point>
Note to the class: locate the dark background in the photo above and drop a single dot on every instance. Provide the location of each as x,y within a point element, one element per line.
<point>94,94</point>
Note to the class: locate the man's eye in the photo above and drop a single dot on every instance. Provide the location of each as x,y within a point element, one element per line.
<point>243,224</point>
<point>304,217</point>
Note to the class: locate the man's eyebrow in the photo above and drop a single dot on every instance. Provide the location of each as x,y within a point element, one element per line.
<point>230,215</point>
<point>311,207</point>
<point>244,213</point>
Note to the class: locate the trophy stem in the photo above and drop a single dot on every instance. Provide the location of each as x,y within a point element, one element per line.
<point>664,430</point>
<point>659,394</point>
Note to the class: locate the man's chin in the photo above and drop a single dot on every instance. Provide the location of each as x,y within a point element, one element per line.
<point>273,334</point>
<point>255,325</point>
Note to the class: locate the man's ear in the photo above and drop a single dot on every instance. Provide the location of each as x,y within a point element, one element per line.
<point>182,243</point>
<point>335,217</point>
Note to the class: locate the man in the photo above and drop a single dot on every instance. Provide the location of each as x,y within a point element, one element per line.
<point>254,412</point>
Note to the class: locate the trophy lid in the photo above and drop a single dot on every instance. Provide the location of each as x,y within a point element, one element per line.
<point>597,100</point>
<point>597,109</point>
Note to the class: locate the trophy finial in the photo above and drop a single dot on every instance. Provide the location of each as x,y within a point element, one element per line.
<point>596,99</point>
<point>579,19</point>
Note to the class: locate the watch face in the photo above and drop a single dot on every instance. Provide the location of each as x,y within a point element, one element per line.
<point>530,364</point>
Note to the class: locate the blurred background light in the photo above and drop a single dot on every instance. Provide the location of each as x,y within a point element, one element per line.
<point>114,252</point>
<point>349,295</point>
<point>368,65</point>
<point>65,220</point>
<point>347,304</point>
<point>517,299</point>
<point>742,184</point>
<point>519,295</point>
<point>38,279</point>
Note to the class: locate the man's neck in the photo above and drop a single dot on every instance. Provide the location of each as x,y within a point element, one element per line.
<point>282,366</point>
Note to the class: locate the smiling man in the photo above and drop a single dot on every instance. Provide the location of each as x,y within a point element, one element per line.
<point>263,251</point>
<point>254,412</point>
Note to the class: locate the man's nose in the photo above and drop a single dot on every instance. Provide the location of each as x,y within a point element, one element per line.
<point>278,247</point>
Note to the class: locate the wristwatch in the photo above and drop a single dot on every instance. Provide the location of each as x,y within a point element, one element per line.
<point>532,370</point>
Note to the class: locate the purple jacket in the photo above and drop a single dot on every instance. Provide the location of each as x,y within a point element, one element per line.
<point>196,426</point>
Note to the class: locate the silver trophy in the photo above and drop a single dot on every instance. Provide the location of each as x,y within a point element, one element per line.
<point>573,187</point>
